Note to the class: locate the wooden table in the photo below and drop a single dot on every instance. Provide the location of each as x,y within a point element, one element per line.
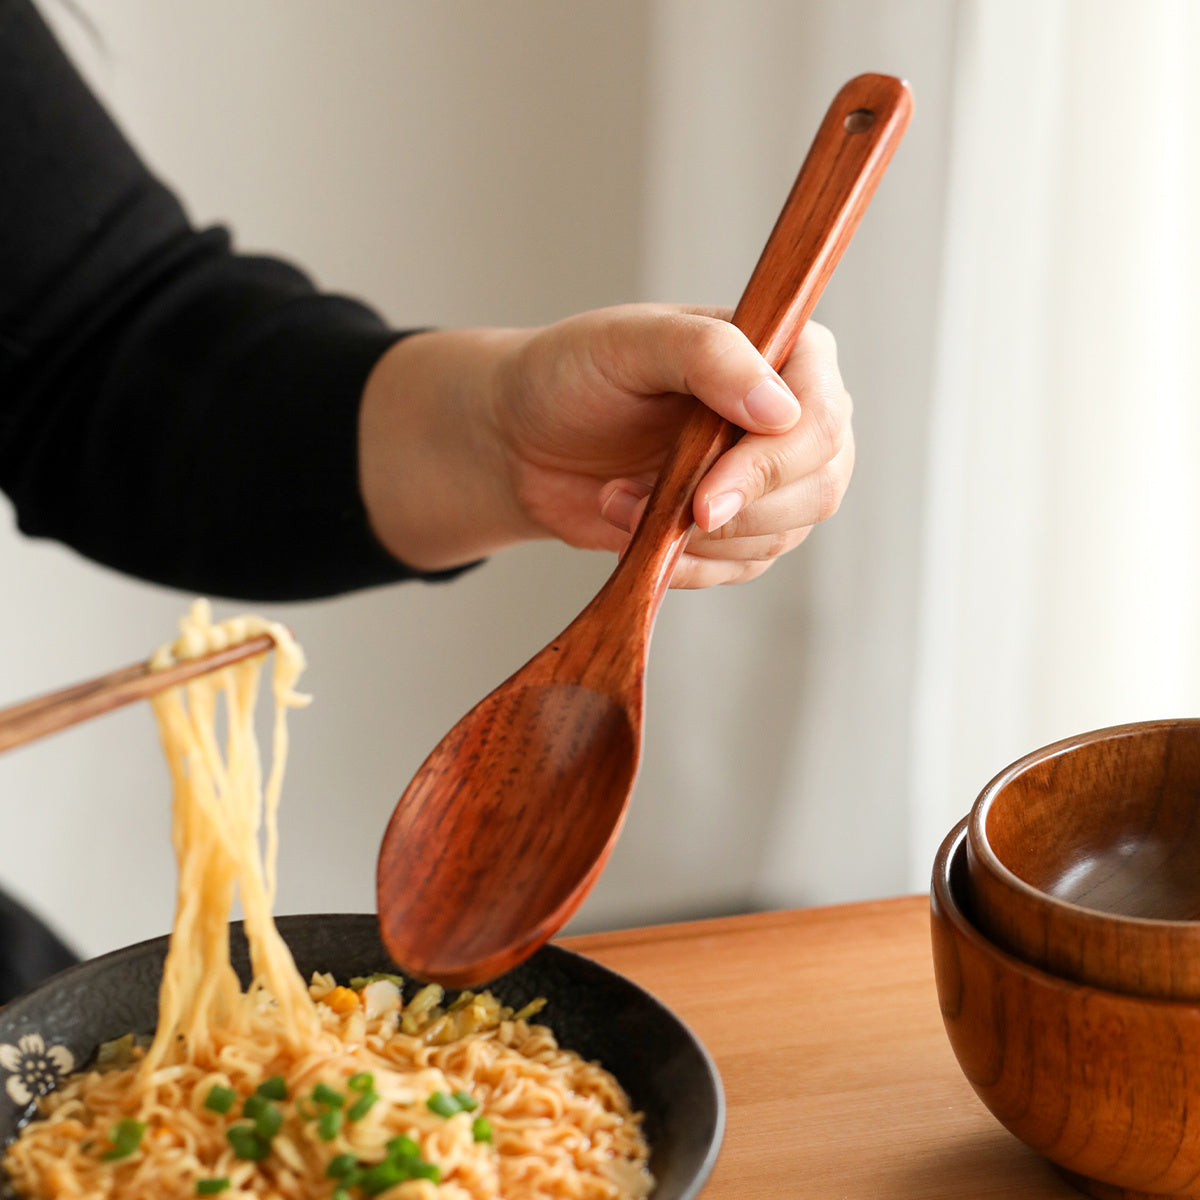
<point>838,1075</point>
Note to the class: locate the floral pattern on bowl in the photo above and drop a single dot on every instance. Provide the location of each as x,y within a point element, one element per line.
<point>34,1069</point>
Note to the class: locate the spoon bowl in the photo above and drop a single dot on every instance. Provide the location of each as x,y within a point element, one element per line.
<point>496,822</point>
<point>510,820</point>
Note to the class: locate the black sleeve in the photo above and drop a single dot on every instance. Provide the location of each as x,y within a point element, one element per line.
<point>168,407</point>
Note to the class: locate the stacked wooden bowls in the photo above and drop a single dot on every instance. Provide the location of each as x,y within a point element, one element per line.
<point>1066,935</point>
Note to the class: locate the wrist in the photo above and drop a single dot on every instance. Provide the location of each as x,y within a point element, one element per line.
<point>436,474</point>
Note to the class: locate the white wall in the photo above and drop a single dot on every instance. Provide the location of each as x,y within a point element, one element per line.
<point>460,162</point>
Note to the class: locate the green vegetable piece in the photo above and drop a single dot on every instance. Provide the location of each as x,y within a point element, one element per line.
<point>274,1088</point>
<point>324,1094</point>
<point>268,1120</point>
<point>385,1175</point>
<point>125,1136</point>
<point>341,1165</point>
<point>248,1143</point>
<point>363,1081</point>
<point>360,981</point>
<point>329,1123</point>
<point>403,1147</point>
<point>531,1009</point>
<point>481,1129</point>
<point>427,1170</point>
<point>220,1099</point>
<point>253,1106</point>
<point>466,1102</point>
<point>442,1104</point>
<point>210,1187</point>
<point>340,1193</point>
<point>362,1106</point>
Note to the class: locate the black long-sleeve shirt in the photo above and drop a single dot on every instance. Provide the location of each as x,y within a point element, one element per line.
<point>168,407</point>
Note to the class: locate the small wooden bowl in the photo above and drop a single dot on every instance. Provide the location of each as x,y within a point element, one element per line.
<point>1083,859</point>
<point>1101,1084</point>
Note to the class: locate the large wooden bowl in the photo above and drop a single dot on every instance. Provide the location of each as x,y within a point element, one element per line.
<point>1104,1085</point>
<point>1084,859</point>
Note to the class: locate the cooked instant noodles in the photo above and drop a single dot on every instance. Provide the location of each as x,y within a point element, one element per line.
<point>338,1089</point>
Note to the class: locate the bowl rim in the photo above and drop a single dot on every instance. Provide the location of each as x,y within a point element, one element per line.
<point>945,904</point>
<point>981,848</point>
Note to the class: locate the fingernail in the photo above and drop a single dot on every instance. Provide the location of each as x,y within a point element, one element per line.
<point>723,508</point>
<point>772,405</point>
<point>620,507</point>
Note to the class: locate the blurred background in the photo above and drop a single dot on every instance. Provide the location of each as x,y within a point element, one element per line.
<point>1018,558</point>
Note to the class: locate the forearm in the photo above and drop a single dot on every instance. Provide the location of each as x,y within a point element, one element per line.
<point>167,407</point>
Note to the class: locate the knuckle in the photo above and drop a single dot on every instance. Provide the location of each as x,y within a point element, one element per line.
<point>777,545</point>
<point>831,427</point>
<point>831,488</point>
<point>767,472</point>
<point>750,570</point>
<point>821,337</point>
<point>714,341</point>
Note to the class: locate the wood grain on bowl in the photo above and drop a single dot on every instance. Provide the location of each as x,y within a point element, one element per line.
<point>1084,859</point>
<point>1102,1084</point>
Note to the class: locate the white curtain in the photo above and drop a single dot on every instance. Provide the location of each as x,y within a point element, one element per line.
<point>1018,558</point>
<point>1061,569</point>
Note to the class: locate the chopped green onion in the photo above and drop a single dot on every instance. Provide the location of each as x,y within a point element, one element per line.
<point>362,1106</point>
<point>481,1129</point>
<point>324,1094</point>
<point>403,1147</point>
<point>254,1105</point>
<point>442,1104</point>
<point>248,1143</point>
<point>341,1165</point>
<point>210,1187</point>
<point>385,1175</point>
<point>125,1136</point>
<point>329,1123</point>
<point>220,1098</point>
<point>268,1120</point>
<point>274,1088</point>
<point>363,1081</point>
<point>427,1170</point>
<point>466,1102</point>
<point>340,1193</point>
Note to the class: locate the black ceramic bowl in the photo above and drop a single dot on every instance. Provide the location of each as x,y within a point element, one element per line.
<point>592,1010</point>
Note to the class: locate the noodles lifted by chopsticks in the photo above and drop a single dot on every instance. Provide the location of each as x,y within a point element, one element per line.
<point>296,1091</point>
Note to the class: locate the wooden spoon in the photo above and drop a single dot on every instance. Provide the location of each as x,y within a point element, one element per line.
<point>510,820</point>
<point>32,719</point>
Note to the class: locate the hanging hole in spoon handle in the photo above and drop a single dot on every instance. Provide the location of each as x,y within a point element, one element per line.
<point>848,157</point>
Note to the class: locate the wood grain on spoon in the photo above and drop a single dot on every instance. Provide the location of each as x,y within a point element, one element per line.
<point>43,715</point>
<point>510,820</point>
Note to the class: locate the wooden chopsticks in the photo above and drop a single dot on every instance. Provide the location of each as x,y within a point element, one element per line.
<point>32,719</point>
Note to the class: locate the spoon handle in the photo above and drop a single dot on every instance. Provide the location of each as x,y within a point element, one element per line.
<point>848,157</point>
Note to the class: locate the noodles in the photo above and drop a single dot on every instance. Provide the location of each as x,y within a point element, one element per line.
<point>293,1092</point>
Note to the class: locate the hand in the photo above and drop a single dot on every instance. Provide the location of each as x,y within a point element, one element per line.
<point>595,403</point>
<point>516,434</point>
